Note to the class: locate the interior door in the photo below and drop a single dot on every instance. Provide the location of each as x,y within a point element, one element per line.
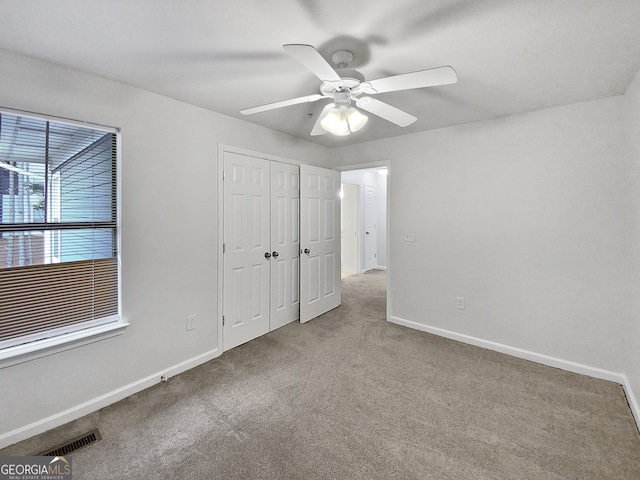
<point>247,241</point>
<point>370,227</point>
<point>320,286</point>
<point>285,244</point>
<point>349,227</point>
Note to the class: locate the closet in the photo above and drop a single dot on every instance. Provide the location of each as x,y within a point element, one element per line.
<point>281,250</point>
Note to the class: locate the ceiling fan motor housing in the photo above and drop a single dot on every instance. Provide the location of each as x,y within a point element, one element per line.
<point>342,98</point>
<point>350,79</point>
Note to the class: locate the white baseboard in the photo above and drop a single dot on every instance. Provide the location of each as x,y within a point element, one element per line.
<point>633,401</point>
<point>102,401</point>
<point>574,367</point>
<point>381,267</point>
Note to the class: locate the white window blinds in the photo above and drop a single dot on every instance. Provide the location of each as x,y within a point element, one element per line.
<point>58,228</point>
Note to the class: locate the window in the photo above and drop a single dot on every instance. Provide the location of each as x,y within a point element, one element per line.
<point>58,229</point>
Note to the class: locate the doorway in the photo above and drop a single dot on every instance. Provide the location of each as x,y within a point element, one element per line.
<point>365,217</point>
<point>364,220</point>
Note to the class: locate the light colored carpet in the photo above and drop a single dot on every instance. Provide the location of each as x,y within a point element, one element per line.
<point>350,396</point>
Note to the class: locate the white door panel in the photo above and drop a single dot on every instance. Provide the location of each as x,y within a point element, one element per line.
<point>247,239</point>
<point>285,244</point>
<point>320,287</point>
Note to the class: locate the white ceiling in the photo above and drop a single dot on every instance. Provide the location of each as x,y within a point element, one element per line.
<point>225,55</point>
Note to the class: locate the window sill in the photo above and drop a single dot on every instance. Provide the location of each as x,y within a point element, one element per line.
<point>50,346</point>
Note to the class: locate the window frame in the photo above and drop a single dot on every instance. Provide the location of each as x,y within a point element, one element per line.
<point>72,336</point>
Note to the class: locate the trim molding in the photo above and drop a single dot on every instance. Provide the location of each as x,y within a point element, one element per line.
<point>102,401</point>
<point>567,365</point>
<point>59,343</point>
<point>632,400</point>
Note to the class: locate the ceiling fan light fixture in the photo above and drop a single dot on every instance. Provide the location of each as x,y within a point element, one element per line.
<point>342,120</point>
<point>335,121</point>
<point>355,119</point>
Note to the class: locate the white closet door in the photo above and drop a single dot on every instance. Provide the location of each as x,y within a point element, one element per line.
<point>247,239</point>
<point>320,285</point>
<point>285,244</point>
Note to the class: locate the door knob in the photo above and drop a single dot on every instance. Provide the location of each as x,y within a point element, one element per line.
<point>275,254</point>
<point>307,251</point>
<point>267,255</point>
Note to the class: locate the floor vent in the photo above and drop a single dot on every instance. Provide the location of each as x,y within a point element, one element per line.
<point>70,447</point>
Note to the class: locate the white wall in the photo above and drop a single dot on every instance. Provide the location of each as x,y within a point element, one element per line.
<point>169,239</point>
<point>632,335</point>
<point>525,217</point>
<point>364,177</point>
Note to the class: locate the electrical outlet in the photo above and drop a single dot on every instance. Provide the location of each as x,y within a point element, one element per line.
<point>191,322</point>
<point>460,303</point>
<point>410,237</point>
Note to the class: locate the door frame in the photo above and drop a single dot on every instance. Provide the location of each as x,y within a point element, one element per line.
<point>222,148</point>
<point>380,164</point>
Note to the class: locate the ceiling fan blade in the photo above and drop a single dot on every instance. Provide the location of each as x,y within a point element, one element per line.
<point>424,78</point>
<point>311,58</point>
<point>283,103</point>
<point>317,128</point>
<point>386,111</point>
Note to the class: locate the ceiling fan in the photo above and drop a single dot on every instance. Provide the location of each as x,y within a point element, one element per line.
<point>347,86</point>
